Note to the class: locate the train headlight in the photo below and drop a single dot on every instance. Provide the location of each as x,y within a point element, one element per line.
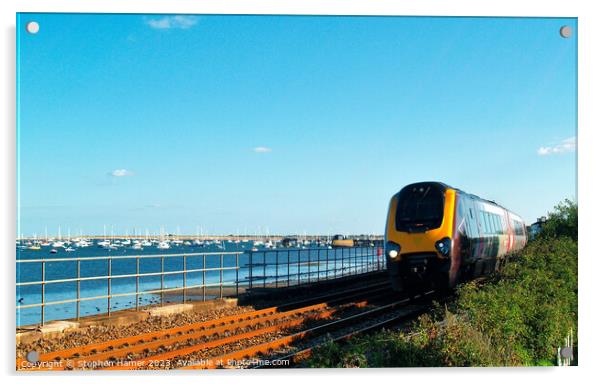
<point>392,249</point>
<point>443,246</point>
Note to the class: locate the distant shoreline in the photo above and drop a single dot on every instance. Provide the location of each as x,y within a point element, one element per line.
<point>204,237</point>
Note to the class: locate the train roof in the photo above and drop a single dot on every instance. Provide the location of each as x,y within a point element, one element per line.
<point>471,195</point>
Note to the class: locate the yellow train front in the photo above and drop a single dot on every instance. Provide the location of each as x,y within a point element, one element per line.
<point>441,235</point>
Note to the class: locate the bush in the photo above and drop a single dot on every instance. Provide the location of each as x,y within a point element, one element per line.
<point>518,317</point>
<point>562,221</point>
<point>533,305</point>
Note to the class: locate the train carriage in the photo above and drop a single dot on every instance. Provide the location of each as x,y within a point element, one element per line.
<point>441,234</point>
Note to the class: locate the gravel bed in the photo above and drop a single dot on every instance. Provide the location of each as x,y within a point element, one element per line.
<point>100,333</point>
<point>203,355</point>
<point>96,334</point>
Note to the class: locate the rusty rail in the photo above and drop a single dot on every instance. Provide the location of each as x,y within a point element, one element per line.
<point>113,350</point>
<point>270,346</point>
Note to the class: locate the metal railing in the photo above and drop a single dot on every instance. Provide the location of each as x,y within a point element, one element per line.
<point>318,264</point>
<point>205,271</point>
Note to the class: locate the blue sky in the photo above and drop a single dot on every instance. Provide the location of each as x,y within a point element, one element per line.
<point>286,124</point>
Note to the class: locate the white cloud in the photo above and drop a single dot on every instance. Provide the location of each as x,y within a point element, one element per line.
<point>121,173</point>
<point>169,22</point>
<point>262,149</point>
<point>566,145</point>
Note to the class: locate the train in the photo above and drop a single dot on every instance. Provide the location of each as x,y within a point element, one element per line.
<point>442,236</point>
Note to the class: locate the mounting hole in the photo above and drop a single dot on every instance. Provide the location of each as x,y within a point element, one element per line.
<point>566,31</point>
<point>32,27</point>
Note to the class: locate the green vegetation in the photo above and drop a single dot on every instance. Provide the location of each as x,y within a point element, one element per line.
<point>518,316</point>
<point>562,222</point>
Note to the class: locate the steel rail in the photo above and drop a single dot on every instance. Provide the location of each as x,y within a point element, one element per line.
<point>306,352</point>
<point>289,339</point>
<point>324,313</point>
<point>163,343</point>
<point>212,326</point>
<point>97,359</point>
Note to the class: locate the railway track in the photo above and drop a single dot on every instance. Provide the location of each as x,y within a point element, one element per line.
<point>305,350</point>
<point>159,349</point>
<point>295,347</point>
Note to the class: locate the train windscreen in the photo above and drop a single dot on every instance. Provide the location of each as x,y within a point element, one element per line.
<point>419,208</point>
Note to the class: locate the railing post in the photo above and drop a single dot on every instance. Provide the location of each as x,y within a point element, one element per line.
<point>250,275</point>
<point>264,270</point>
<point>327,264</point>
<point>344,265</point>
<point>221,274</point>
<point>77,306</point>
<point>204,285</point>
<point>236,266</point>
<point>43,290</point>
<point>318,265</point>
<point>355,261</point>
<point>288,267</point>
<point>342,261</point>
<point>309,266</point>
<point>137,279</point>
<point>162,277</point>
<point>184,279</point>
<point>109,286</point>
<point>348,267</point>
<point>277,253</point>
<point>298,267</point>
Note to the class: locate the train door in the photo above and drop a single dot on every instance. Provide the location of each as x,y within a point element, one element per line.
<point>462,230</point>
<point>482,250</point>
<point>475,233</point>
<point>510,232</point>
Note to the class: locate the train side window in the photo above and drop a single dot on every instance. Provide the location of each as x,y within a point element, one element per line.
<point>522,230</point>
<point>491,226</point>
<point>518,228</point>
<point>470,219</point>
<point>485,223</point>
<point>468,228</point>
<point>498,223</point>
